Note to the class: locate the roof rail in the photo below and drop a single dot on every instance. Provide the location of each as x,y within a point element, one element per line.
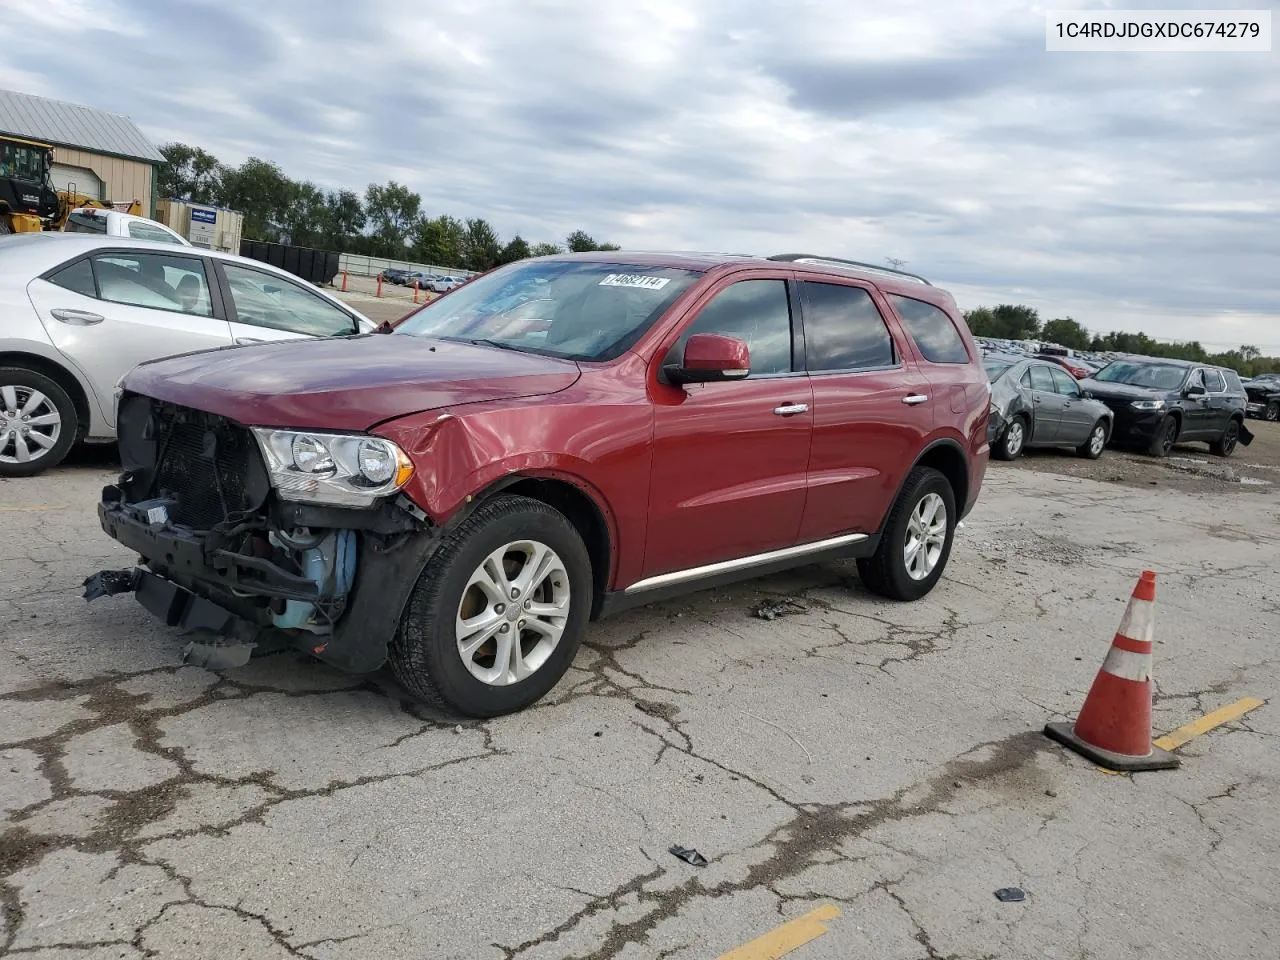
<point>814,258</point>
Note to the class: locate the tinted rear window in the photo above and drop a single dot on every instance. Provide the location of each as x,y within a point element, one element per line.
<point>843,330</point>
<point>77,277</point>
<point>932,330</point>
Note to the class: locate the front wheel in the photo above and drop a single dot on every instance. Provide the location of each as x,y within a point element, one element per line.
<point>1272,411</point>
<point>1165,437</point>
<point>498,612</point>
<point>916,540</point>
<point>1225,445</point>
<point>1092,448</point>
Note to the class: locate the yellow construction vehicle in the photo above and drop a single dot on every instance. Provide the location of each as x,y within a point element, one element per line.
<point>28,201</point>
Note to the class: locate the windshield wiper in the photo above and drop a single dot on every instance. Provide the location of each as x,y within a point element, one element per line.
<point>484,342</point>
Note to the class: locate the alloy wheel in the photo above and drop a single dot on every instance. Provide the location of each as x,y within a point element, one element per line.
<point>1097,440</point>
<point>513,612</point>
<point>29,424</point>
<point>926,536</point>
<point>1014,440</point>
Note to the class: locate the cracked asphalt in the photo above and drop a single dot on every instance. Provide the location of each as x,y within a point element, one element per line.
<point>880,757</point>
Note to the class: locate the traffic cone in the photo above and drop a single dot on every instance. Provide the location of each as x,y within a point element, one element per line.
<point>1114,726</point>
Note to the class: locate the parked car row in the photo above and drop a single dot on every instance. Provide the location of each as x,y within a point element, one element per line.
<point>1263,393</point>
<point>1144,402</point>
<point>435,282</point>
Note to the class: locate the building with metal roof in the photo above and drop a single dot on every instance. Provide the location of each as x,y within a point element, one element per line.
<point>97,153</point>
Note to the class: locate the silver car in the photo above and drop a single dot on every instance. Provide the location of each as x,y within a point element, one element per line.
<point>78,311</point>
<point>1039,404</point>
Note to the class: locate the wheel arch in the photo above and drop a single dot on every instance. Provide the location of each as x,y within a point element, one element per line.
<point>60,375</point>
<point>947,457</point>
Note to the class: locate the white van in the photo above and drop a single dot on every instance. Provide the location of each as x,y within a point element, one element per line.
<point>113,223</point>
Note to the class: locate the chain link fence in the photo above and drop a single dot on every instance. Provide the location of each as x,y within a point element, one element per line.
<point>358,265</point>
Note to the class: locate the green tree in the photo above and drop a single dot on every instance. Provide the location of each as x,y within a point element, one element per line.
<point>608,246</point>
<point>392,211</point>
<point>438,241</point>
<point>189,173</point>
<point>580,242</point>
<point>262,192</point>
<point>1066,332</point>
<point>481,248</point>
<point>517,249</point>
<point>344,219</point>
<point>546,250</point>
<point>305,221</point>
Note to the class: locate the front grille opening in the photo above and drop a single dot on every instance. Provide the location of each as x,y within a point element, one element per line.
<point>206,464</point>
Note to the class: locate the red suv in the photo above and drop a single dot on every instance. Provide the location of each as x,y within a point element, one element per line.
<point>557,440</point>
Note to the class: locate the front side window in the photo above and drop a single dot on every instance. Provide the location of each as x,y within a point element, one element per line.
<point>154,280</point>
<point>266,300</point>
<point>931,329</point>
<point>757,312</point>
<point>561,308</point>
<point>1063,384</point>
<point>843,329</point>
<point>1041,378</point>
<point>1213,382</point>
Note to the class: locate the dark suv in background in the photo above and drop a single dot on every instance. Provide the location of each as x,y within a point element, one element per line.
<point>556,440</point>
<point>1159,402</point>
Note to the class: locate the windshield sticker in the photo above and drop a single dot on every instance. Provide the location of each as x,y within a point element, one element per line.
<point>634,280</point>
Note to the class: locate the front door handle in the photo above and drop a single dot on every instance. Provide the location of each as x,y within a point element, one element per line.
<point>77,318</point>
<point>245,340</point>
<point>915,399</point>
<point>791,409</point>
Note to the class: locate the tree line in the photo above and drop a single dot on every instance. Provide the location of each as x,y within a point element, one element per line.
<point>388,221</point>
<point>1019,322</point>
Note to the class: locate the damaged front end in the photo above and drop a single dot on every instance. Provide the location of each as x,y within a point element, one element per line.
<point>230,549</point>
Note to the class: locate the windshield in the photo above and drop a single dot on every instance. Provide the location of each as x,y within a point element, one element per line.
<point>571,309</point>
<point>995,368</point>
<point>1157,376</point>
<point>22,162</point>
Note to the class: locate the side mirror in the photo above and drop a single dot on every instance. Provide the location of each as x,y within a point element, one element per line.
<point>710,358</point>
<point>1195,390</point>
<point>1087,394</point>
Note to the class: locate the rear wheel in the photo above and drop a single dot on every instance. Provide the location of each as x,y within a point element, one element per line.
<point>1092,447</point>
<point>916,540</point>
<point>1011,444</point>
<point>1165,437</point>
<point>498,612</point>
<point>1225,445</point>
<point>1272,411</point>
<point>38,422</point>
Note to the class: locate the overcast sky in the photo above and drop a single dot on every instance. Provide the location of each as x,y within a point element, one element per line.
<point>1130,191</point>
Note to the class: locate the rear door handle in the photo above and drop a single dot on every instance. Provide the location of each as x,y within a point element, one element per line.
<point>915,399</point>
<point>791,409</point>
<point>77,318</point>
<point>244,340</point>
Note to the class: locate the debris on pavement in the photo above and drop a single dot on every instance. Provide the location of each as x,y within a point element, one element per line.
<point>688,855</point>
<point>1011,895</point>
<point>773,609</point>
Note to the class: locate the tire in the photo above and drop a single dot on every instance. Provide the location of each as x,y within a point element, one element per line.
<point>426,655</point>
<point>1166,436</point>
<point>5,229</point>
<point>886,571</point>
<point>1225,445</point>
<point>52,419</point>
<point>1092,448</point>
<point>1013,441</point>
<point>1271,411</point>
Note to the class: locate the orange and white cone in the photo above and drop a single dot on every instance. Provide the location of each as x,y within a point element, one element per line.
<point>1114,726</point>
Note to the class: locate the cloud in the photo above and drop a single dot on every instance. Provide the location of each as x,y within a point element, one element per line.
<point>1127,190</point>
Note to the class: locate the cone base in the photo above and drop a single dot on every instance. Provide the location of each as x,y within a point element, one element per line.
<point>1158,759</point>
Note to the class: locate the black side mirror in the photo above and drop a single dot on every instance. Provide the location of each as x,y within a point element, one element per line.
<point>1195,390</point>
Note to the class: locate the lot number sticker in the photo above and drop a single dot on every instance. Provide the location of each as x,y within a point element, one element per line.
<point>634,280</point>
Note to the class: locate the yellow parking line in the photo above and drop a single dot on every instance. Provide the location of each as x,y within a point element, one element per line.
<point>1232,711</point>
<point>780,941</point>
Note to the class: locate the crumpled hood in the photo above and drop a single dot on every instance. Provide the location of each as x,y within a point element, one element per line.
<point>347,383</point>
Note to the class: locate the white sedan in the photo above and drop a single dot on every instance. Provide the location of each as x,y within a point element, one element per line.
<point>78,311</point>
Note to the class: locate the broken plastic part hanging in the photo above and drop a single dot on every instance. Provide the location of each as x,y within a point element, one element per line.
<point>218,653</point>
<point>1011,895</point>
<point>107,583</point>
<point>688,855</point>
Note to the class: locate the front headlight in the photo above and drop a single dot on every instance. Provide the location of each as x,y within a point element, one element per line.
<point>341,470</point>
<point>1147,404</point>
